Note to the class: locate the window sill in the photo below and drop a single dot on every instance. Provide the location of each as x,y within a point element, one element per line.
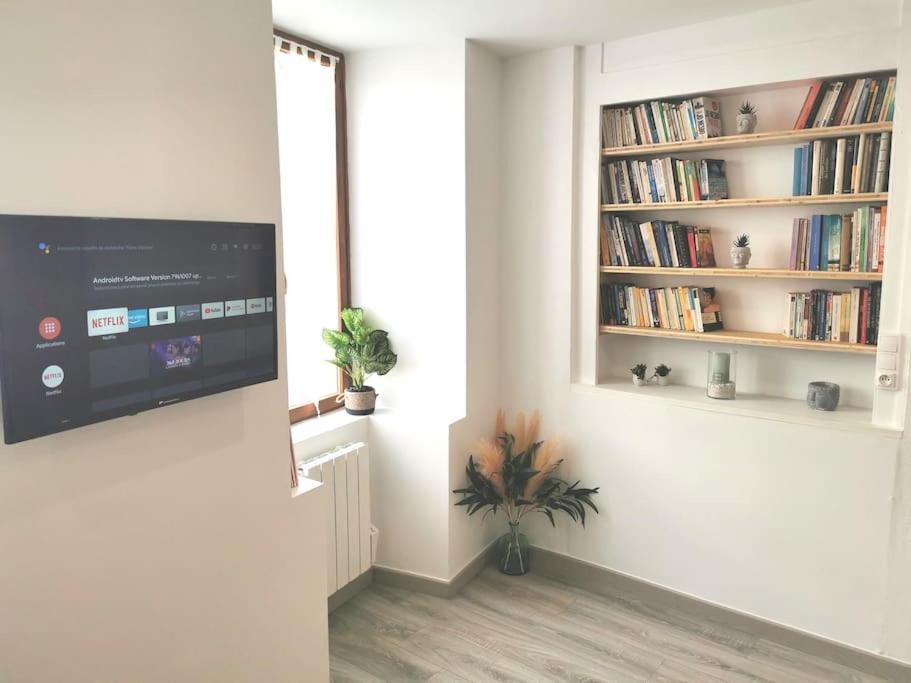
<point>319,426</point>
<point>775,408</point>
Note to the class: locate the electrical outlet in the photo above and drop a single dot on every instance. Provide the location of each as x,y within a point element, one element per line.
<point>887,380</point>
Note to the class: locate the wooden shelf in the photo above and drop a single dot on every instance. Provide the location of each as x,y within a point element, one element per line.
<point>741,337</point>
<point>770,273</point>
<point>757,406</point>
<point>753,202</point>
<point>783,137</point>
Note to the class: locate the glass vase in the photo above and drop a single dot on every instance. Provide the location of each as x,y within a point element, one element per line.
<point>512,551</point>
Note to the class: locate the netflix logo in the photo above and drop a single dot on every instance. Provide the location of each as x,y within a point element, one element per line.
<point>107,321</point>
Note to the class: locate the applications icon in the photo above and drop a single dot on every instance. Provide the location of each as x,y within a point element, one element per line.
<point>49,328</point>
<point>44,247</point>
<point>52,377</point>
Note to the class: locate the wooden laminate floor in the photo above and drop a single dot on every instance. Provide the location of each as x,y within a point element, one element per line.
<point>535,629</point>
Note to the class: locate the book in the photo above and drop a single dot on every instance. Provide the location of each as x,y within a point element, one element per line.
<point>842,102</point>
<point>653,122</point>
<point>853,242</point>
<point>662,180</point>
<point>826,315</point>
<point>692,309</point>
<point>851,165</point>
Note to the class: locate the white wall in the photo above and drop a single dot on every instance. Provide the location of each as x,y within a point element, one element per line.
<point>406,109</point>
<point>467,535</point>
<point>163,546</point>
<point>794,524</point>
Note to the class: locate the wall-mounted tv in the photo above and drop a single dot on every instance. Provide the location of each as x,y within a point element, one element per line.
<point>104,317</point>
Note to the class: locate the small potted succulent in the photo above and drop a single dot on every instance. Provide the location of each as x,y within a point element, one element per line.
<point>661,375</point>
<point>360,351</point>
<point>746,118</point>
<point>638,371</point>
<point>740,251</point>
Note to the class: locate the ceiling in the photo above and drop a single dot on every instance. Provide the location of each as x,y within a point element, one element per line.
<point>507,26</point>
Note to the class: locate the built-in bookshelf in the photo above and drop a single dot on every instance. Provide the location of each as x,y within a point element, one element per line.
<point>756,203</point>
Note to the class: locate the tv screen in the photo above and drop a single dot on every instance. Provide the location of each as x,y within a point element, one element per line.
<point>104,317</point>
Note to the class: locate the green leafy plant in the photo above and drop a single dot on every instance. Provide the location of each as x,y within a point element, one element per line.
<point>662,370</point>
<point>638,370</point>
<point>515,473</point>
<point>747,107</point>
<point>360,351</point>
<point>742,240</point>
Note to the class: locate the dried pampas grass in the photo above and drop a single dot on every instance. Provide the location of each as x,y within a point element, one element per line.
<point>547,459</point>
<point>490,463</point>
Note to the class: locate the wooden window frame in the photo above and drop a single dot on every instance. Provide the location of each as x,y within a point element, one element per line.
<point>329,403</point>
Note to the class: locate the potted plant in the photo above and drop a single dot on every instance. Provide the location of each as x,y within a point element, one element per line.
<point>661,375</point>
<point>360,351</point>
<point>740,251</point>
<point>515,473</point>
<point>638,371</point>
<point>746,118</point>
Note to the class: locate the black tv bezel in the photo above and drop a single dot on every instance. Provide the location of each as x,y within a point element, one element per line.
<point>128,411</point>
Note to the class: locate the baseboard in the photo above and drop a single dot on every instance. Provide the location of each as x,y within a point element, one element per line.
<point>601,580</point>
<point>344,594</point>
<point>430,585</point>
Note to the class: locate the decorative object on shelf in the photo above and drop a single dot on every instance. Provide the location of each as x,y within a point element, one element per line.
<point>740,251</point>
<point>515,473</point>
<point>823,395</point>
<point>662,375</point>
<point>746,118</point>
<point>722,373</point>
<point>360,351</point>
<point>638,371</point>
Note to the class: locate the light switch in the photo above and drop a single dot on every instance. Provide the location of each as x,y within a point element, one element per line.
<point>888,343</point>
<point>887,361</point>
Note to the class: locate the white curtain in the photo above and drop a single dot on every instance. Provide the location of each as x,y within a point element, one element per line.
<point>305,91</point>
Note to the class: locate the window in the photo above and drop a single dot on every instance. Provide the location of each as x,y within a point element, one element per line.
<point>310,95</point>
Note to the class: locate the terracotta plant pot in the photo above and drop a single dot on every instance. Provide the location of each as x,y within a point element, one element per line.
<point>361,402</point>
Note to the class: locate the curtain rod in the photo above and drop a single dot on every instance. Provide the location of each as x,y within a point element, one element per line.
<point>307,43</point>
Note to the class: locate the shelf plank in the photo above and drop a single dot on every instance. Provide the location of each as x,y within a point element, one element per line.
<point>741,337</point>
<point>860,198</point>
<point>776,408</point>
<point>782,137</point>
<point>769,273</point>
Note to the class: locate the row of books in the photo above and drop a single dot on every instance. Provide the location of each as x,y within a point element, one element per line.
<point>693,309</point>
<point>848,102</point>
<point>658,181</point>
<point>834,316</point>
<point>654,122</point>
<point>664,244</point>
<point>852,242</point>
<point>842,166</point>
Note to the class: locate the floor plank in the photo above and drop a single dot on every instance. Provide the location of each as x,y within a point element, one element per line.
<point>531,628</point>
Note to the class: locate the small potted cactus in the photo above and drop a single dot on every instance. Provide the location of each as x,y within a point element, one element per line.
<point>662,375</point>
<point>740,251</point>
<point>746,118</point>
<point>638,371</point>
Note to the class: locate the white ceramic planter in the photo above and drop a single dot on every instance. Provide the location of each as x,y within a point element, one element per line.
<point>639,382</point>
<point>663,381</point>
<point>740,256</point>
<point>746,123</point>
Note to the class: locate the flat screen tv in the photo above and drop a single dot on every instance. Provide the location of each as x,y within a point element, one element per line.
<point>106,317</point>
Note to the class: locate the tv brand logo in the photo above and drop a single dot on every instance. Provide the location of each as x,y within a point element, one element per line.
<point>49,328</point>
<point>213,309</point>
<point>107,321</point>
<point>52,377</point>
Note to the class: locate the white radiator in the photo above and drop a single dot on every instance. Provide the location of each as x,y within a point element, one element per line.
<point>345,472</point>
